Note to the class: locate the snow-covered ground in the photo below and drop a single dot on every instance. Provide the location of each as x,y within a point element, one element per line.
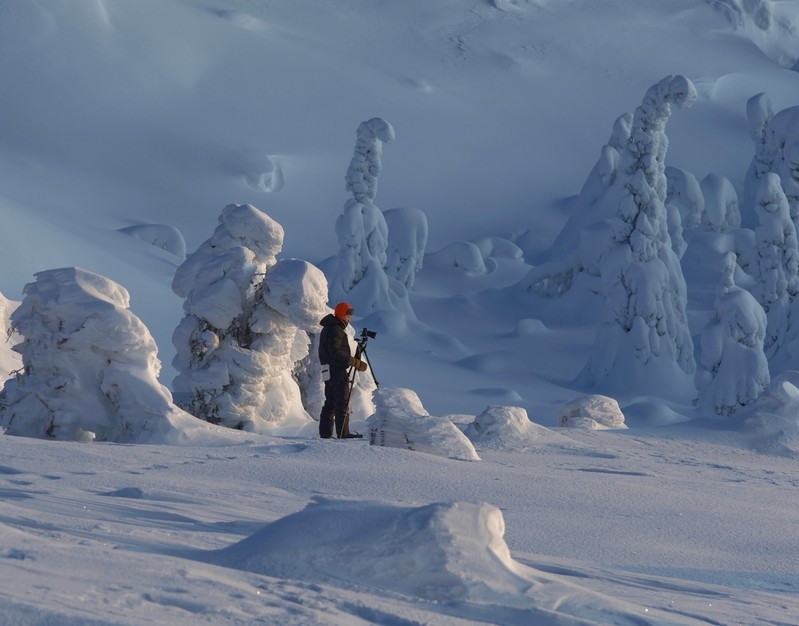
<point>127,127</point>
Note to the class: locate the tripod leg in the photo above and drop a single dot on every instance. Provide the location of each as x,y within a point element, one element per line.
<point>345,427</point>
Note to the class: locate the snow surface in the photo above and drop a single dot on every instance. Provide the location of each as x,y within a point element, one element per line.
<point>126,127</point>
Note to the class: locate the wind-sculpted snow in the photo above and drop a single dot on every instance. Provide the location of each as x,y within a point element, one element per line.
<point>452,553</point>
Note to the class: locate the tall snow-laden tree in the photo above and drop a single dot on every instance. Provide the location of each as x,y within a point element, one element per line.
<point>778,260</point>
<point>90,366</point>
<point>246,325</point>
<point>644,321</point>
<point>359,276</point>
<point>733,368</point>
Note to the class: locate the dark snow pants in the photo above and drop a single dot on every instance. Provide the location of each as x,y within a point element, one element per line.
<point>335,407</point>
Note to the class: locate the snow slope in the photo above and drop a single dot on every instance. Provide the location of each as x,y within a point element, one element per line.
<point>125,124</point>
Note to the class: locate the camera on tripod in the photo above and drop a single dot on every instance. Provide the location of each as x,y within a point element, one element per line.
<point>368,334</point>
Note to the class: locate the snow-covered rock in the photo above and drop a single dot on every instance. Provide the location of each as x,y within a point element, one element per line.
<point>400,421</point>
<point>594,412</point>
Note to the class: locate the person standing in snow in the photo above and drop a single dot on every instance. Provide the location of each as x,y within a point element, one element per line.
<point>334,352</point>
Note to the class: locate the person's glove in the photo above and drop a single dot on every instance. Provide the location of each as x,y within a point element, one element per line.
<point>357,364</point>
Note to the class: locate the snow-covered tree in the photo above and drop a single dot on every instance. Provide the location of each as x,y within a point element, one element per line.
<point>359,276</point>
<point>247,324</point>
<point>10,360</point>
<point>644,290</point>
<point>741,13</point>
<point>759,113</point>
<point>733,368</point>
<point>776,150</point>
<point>778,260</point>
<point>90,366</point>
<point>721,213</point>
<point>407,238</point>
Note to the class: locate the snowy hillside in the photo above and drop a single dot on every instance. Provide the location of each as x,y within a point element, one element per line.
<point>582,198</point>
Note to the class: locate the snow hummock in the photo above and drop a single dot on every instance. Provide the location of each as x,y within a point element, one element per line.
<point>452,553</point>
<point>400,421</point>
<point>593,411</point>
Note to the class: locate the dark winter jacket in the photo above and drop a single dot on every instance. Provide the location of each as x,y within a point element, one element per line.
<point>334,345</point>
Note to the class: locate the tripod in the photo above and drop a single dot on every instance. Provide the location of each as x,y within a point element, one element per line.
<point>363,355</point>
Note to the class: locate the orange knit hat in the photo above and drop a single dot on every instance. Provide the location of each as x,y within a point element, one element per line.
<point>342,309</point>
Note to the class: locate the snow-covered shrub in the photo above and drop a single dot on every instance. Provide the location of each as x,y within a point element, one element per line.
<point>246,326</point>
<point>407,238</point>
<point>90,366</point>
<point>644,318</point>
<point>400,421</point>
<point>778,260</point>
<point>362,232</point>
<point>732,368</point>
<point>159,235</point>
<point>594,412</point>
<point>684,192</point>
<point>721,204</point>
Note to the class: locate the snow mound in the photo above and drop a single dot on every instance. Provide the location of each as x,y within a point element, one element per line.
<point>400,421</point>
<point>441,552</point>
<point>773,419</point>
<point>594,412</point>
<point>445,552</point>
<point>502,426</point>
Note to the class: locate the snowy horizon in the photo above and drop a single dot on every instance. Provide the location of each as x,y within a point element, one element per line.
<point>571,227</point>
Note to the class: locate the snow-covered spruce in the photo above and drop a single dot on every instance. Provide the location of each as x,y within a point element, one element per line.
<point>733,368</point>
<point>90,366</point>
<point>777,261</point>
<point>359,276</point>
<point>247,324</point>
<point>644,322</point>
<point>776,150</point>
